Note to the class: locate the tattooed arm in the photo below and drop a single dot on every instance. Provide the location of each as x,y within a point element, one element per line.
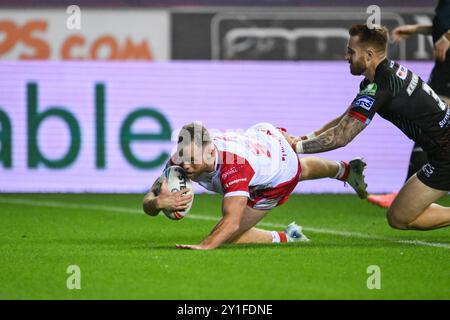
<point>331,124</point>
<point>333,138</point>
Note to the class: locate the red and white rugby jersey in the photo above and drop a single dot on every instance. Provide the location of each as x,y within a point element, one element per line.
<point>259,158</point>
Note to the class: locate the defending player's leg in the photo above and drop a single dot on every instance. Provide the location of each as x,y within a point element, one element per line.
<point>414,208</point>
<point>417,160</point>
<point>351,172</point>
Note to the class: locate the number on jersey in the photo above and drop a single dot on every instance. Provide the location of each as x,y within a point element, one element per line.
<point>433,94</point>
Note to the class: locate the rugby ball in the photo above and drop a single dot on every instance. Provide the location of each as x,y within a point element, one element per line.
<point>176,181</point>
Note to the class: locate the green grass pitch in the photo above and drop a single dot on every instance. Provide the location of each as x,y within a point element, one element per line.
<point>124,254</point>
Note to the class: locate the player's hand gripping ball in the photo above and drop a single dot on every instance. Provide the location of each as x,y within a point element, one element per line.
<point>176,180</point>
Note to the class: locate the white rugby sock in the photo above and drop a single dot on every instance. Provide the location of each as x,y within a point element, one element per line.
<point>299,147</point>
<point>341,170</point>
<point>278,236</point>
<point>275,237</point>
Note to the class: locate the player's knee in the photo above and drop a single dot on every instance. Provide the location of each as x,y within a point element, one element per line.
<point>395,221</point>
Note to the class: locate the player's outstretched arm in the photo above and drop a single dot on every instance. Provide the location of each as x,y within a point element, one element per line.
<point>333,123</point>
<point>157,200</point>
<point>150,203</point>
<point>441,46</point>
<point>407,30</point>
<point>233,209</point>
<point>336,137</point>
<point>312,135</point>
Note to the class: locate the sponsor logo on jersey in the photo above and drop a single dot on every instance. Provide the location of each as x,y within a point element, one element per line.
<point>364,102</point>
<point>391,64</point>
<point>371,89</point>
<point>234,182</point>
<point>413,84</point>
<point>229,172</point>
<point>402,72</point>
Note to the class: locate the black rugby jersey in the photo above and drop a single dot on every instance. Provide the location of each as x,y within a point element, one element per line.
<point>401,97</point>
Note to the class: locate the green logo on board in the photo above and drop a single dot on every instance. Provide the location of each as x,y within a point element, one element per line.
<point>128,134</point>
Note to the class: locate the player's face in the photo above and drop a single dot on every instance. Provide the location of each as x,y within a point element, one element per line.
<point>195,160</point>
<point>356,57</point>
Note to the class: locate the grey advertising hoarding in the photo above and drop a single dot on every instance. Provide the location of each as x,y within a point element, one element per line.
<point>297,34</point>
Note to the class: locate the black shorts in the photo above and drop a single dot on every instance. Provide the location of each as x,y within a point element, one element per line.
<point>436,173</point>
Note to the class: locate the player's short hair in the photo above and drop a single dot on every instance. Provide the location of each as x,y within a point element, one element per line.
<point>195,133</point>
<point>375,36</point>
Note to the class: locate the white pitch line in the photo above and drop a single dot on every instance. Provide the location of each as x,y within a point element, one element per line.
<point>343,233</point>
<point>340,233</point>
